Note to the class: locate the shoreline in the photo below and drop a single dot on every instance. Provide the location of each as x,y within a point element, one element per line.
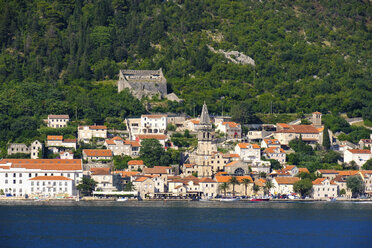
<point>134,202</point>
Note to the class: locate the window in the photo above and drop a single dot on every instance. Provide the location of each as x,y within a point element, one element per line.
<point>20,174</point>
<point>14,175</point>
<point>14,181</point>
<point>20,181</point>
<point>65,183</point>
<point>29,175</point>
<point>6,181</point>
<point>6,174</point>
<point>43,183</point>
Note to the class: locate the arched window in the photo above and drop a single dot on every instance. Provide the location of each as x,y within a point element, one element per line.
<point>239,172</point>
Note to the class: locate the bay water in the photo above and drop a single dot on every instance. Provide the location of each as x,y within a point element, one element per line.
<point>189,224</point>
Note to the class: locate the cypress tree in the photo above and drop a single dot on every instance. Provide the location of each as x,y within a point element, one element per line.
<point>326,141</point>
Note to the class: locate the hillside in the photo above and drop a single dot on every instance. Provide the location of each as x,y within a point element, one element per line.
<point>308,55</point>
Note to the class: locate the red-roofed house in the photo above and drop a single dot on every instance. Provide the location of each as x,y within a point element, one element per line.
<point>233,130</point>
<point>121,147</point>
<point>275,153</point>
<point>248,152</point>
<point>57,141</point>
<point>286,133</point>
<point>324,188</point>
<point>106,181</point>
<point>266,143</point>
<point>158,170</point>
<point>359,156</point>
<point>135,165</point>
<point>240,189</point>
<point>283,185</point>
<point>97,154</point>
<point>16,175</point>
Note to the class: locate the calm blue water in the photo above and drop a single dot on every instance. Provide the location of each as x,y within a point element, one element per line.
<point>193,224</point>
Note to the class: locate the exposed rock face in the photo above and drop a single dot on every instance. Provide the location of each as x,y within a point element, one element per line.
<point>235,56</point>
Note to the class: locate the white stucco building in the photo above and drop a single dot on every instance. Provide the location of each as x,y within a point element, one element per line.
<point>359,156</point>
<point>40,177</point>
<point>324,188</point>
<point>248,152</point>
<point>58,121</point>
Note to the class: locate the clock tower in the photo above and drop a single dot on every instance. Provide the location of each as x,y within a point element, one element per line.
<point>206,144</point>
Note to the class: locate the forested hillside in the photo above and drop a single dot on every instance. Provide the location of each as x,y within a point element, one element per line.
<point>309,55</point>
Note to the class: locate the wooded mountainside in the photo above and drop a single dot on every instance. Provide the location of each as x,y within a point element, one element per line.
<point>309,56</point>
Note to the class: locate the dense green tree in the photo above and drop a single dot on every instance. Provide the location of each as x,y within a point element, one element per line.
<point>153,154</point>
<point>326,140</point>
<point>356,185</point>
<point>86,186</point>
<point>275,165</point>
<point>303,186</point>
<point>367,165</point>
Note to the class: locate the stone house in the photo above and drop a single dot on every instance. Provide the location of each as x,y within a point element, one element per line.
<point>97,154</point>
<point>33,149</point>
<point>285,133</point>
<point>208,186</point>
<point>275,153</point>
<point>232,130</point>
<point>86,133</point>
<point>324,188</point>
<point>57,121</point>
<point>106,181</point>
<point>134,165</point>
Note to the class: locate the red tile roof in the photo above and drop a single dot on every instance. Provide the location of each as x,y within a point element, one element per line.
<point>260,182</point>
<point>303,170</point>
<point>117,138</point>
<point>274,150</point>
<point>132,143</point>
<point>328,171</point>
<point>318,181</point>
<point>286,180</point>
<point>299,129</point>
<point>230,124</point>
<point>231,163</point>
<point>51,178</point>
<point>110,142</point>
<point>100,171</point>
<point>271,141</point>
<point>360,151</point>
<point>226,179</point>
<point>55,137</point>
<point>69,141</point>
<point>45,164</point>
<point>248,146</point>
<point>97,153</point>
<point>152,136</point>
<point>126,173</point>
<point>135,162</point>
<point>156,170</point>
<point>207,180</point>
<point>230,155</point>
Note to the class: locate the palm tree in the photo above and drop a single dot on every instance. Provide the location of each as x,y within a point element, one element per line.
<point>256,188</point>
<point>268,186</point>
<point>234,181</point>
<point>224,187</point>
<point>246,181</point>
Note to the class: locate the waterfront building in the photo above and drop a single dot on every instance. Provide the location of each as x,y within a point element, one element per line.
<point>16,175</point>
<point>324,188</point>
<point>283,185</point>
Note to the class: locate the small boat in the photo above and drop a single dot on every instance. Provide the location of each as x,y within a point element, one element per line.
<point>122,199</point>
<point>230,199</point>
<point>260,199</point>
<point>204,199</point>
